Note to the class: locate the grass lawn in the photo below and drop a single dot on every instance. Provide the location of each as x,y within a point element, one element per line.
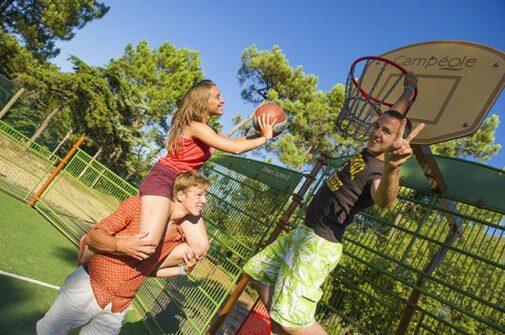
<point>31,247</point>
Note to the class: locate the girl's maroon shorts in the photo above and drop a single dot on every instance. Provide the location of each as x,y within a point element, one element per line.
<point>160,181</point>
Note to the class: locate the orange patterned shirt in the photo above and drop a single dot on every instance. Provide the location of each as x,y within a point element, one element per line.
<point>115,278</point>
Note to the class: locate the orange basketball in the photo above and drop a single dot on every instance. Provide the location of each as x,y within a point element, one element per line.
<point>275,113</point>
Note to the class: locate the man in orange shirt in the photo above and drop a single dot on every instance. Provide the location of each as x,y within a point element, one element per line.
<point>98,294</point>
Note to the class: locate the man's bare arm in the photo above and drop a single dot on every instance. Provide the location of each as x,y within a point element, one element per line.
<point>171,271</point>
<point>385,190</point>
<point>401,105</point>
<point>168,272</point>
<point>101,241</point>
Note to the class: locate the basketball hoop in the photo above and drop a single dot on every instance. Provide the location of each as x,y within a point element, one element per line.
<point>364,103</point>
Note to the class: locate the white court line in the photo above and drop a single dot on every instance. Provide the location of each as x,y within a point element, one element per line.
<point>41,283</point>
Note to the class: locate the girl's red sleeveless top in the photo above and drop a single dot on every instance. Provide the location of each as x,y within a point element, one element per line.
<point>191,155</point>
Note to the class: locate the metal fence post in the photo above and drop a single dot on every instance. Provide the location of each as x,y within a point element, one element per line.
<point>281,225</point>
<point>55,172</point>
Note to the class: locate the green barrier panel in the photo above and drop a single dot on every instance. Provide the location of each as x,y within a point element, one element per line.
<point>274,176</point>
<point>467,181</point>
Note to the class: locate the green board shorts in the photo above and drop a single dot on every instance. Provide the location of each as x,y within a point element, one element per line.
<point>295,265</point>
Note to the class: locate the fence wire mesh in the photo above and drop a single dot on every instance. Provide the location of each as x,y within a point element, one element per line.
<point>392,252</point>
<point>388,254</point>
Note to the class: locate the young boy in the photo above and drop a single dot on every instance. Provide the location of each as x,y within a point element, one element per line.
<point>98,294</point>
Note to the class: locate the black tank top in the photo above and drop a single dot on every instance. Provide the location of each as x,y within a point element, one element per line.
<point>345,193</point>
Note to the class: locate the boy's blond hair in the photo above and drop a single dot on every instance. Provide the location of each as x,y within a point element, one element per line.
<point>186,180</point>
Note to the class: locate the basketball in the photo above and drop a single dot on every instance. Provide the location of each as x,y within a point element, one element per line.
<point>275,113</point>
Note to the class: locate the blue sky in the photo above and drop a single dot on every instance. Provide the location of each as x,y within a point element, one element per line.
<point>322,36</point>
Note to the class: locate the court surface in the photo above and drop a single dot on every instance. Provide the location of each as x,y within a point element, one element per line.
<point>34,261</point>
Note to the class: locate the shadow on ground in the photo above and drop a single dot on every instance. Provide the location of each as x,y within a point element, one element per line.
<point>66,254</point>
<point>21,305</point>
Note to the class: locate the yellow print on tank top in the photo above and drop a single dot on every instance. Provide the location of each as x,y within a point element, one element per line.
<point>356,165</point>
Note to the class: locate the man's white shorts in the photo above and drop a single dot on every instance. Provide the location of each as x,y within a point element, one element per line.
<point>76,306</point>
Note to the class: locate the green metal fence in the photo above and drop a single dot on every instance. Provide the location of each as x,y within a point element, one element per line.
<point>449,248</point>
<point>23,163</point>
<point>245,198</point>
<point>84,192</point>
<point>441,246</point>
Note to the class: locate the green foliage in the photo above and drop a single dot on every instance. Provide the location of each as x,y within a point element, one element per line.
<point>122,108</point>
<point>147,85</point>
<point>45,92</point>
<point>267,75</point>
<point>481,145</point>
<point>26,120</point>
<point>158,77</point>
<point>13,57</point>
<point>39,24</point>
<point>262,71</point>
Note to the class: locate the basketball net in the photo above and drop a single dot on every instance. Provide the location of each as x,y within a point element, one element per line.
<point>363,105</point>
